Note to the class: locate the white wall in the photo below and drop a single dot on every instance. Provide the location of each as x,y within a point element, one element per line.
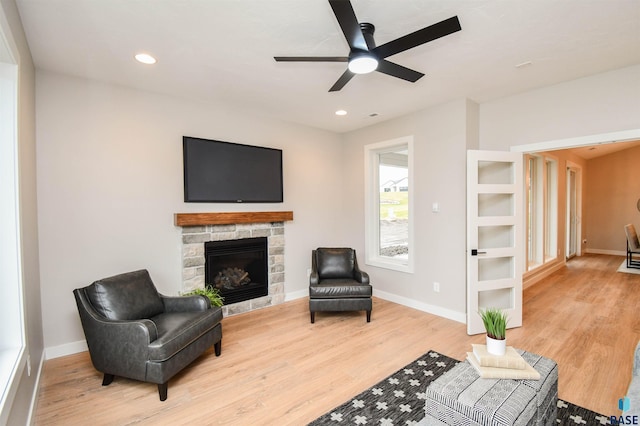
<point>602,103</point>
<point>441,137</point>
<point>613,182</point>
<point>109,181</point>
<point>109,162</point>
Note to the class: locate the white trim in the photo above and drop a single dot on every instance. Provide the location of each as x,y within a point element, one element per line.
<point>610,252</point>
<point>602,138</point>
<point>536,275</point>
<point>456,316</point>
<point>298,294</point>
<point>34,396</point>
<point>578,172</point>
<point>66,349</point>
<point>14,352</point>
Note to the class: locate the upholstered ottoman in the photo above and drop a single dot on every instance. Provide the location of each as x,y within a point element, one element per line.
<point>461,397</point>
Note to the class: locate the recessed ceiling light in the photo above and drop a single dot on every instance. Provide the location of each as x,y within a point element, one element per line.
<point>341,112</point>
<point>145,58</point>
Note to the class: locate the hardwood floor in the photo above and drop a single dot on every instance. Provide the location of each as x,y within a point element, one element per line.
<point>277,368</point>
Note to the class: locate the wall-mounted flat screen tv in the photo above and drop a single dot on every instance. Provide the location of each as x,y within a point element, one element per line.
<point>225,172</point>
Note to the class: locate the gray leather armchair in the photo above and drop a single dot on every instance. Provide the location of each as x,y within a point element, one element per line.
<point>133,331</point>
<point>337,283</point>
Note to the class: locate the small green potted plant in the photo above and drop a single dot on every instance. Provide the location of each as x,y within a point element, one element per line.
<point>212,293</point>
<point>495,323</point>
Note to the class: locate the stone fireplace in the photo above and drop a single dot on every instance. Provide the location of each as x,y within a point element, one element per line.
<point>228,231</point>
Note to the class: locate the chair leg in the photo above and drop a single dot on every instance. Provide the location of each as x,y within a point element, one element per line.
<point>162,390</point>
<point>108,378</point>
<point>368,316</point>
<point>217,347</point>
<point>313,317</point>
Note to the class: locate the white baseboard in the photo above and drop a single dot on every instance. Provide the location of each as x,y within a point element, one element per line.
<point>36,390</point>
<point>296,294</point>
<point>81,345</point>
<point>66,349</point>
<point>611,252</point>
<point>425,307</point>
<point>542,272</point>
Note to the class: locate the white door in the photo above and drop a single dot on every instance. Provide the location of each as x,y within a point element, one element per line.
<point>495,224</point>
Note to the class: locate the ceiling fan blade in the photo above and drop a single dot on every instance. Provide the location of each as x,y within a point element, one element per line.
<point>425,35</point>
<point>344,79</point>
<point>311,58</point>
<point>395,70</point>
<point>349,24</point>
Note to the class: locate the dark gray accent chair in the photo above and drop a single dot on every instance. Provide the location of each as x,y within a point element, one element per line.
<point>135,332</point>
<point>337,283</point>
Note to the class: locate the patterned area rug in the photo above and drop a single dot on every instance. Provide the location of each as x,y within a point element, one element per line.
<point>399,399</point>
<point>623,268</point>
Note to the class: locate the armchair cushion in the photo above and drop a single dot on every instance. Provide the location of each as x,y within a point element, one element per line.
<point>339,288</point>
<point>176,330</point>
<point>335,262</point>
<point>128,296</point>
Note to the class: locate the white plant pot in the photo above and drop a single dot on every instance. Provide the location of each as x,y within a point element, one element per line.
<point>496,347</point>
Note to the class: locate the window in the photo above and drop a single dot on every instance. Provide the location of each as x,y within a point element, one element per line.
<point>12,347</point>
<point>542,210</point>
<point>388,210</point>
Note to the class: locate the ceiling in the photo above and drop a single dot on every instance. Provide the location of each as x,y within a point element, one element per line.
<point>598,150</point>
<point>222,50</point>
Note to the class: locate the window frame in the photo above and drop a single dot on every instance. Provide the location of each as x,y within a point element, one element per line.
<point>13,351</point>
<point>372,204</point>
<point>542,210</point>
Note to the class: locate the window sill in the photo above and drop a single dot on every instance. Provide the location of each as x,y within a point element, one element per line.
<point>388,263</point>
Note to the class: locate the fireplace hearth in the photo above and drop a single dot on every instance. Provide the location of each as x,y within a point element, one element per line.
<point>237,268</point>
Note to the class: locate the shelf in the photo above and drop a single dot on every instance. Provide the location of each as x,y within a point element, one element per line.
<point>195,219</point>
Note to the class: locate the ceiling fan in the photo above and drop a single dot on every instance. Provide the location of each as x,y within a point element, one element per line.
<point>364,57</point>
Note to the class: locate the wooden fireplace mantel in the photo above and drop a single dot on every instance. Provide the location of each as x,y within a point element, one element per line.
<point>195,219</point>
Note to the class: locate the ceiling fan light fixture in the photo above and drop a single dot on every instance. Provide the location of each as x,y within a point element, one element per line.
<point>362,63</point>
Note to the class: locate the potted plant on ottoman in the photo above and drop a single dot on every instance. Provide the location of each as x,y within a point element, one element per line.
<point>495,323</point>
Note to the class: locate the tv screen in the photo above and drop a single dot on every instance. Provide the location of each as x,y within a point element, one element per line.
<point>224,172</point>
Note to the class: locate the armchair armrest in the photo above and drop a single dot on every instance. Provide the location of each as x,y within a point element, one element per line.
<point>314,278</point>
<point>117,347</point>
<point>120,348</point>
<point>185,303</point>
<point>361,276</point>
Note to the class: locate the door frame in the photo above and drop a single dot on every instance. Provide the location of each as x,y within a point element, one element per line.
<point>577,169</point>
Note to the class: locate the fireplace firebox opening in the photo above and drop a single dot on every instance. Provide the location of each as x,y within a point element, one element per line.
<point>237,268</point>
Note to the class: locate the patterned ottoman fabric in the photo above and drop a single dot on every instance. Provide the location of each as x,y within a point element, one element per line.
<point>546,388</point>
<point>461,397</point>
